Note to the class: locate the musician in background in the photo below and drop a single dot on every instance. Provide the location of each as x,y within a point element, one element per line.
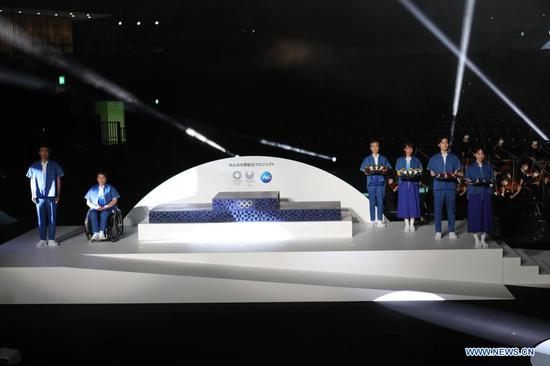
<point>465,150</point>
<point>533,154</point>
<point>499,151</point>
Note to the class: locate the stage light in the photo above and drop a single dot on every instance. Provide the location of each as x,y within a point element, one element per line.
<point>494,325</point>
<point>522,34</point>
<point>38,13</point>
<point>297,150</point>
<point>191,132</point>
<point>55,15</point>
<point>426,22</point>
<point>409,296</point>
<point>138,23</point>
<point>156,22</point>
<point>61,80</point>
<point>19,11</point>
<point>119,23</point>
<point>464,42</point>
<point>542,354</point>
<point>87,15</point>
<point>156,101</point>
<point>12,77</point>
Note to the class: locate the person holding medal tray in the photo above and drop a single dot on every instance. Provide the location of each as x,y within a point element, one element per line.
<point>376,166</point>
<point>480,178</point>
<point>444,167</point>
<point>409,172</point>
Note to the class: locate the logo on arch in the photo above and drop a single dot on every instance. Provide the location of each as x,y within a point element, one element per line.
<point>266,177</point>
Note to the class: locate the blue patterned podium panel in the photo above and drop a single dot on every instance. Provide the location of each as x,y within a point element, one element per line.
<point>288,211</point>
<point>246,201</point>
<point>246,207</point>
<point>174,213</point>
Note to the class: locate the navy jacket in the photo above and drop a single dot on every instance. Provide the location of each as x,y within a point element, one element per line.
<point>451,165</point>
<point>475,172</point>
<point>375,179</point>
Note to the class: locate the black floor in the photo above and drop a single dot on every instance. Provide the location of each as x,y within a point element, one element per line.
<point>308,333</point>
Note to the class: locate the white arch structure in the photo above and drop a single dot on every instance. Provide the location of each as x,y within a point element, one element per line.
<point>294,180</point>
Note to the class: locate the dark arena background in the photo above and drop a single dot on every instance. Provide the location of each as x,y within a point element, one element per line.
<point>145,90</point>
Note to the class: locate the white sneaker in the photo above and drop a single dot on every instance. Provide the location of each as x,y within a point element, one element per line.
<point>412,228</point>
<point>452,235</point>
<point>407,228</point>
<point>484,244</point>
<point>41,243</point>
<point>102,236</point>
<point>52,243</point>
<point>477,243</point>
<point>380,224</point>
<point>437,236</point>
<point>95,237</point>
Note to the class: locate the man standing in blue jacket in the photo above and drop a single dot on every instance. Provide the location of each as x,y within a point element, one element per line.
<point>376,166</point>
<point>443,167</point>
<point>45,182</point>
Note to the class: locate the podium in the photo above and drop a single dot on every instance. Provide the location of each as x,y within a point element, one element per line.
<point>246,216</point>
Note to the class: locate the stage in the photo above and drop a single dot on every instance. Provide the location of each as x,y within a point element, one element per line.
<point>261,261</point>
<point>374,263</point>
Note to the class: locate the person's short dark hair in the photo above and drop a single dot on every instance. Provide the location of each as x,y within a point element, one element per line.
<point>374,141</point>
<point>477,148</point>
<point>43,146</point>
<point>408,144</point>
<point>441,139</point>
<point>101,172</point>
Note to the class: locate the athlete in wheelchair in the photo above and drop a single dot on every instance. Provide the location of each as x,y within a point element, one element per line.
<point>103,220</point>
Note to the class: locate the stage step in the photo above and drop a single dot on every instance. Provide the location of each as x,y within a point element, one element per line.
<point>544,268</point>
<point>520,269</point>
<point>526,261</point>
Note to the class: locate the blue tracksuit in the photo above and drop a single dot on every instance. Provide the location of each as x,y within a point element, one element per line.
<point>45,186</point>
<point>376,186</point>
<point>408,203</point>
<point>444,192</point>
<point>109,193</point>
<point>480,208</point>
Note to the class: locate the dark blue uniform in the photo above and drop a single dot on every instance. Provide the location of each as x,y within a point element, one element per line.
<point>376,186</point>
<point>480,198</point>
<point>444,191</point>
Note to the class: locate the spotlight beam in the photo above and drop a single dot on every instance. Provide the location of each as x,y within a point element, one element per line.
<point>422,18</point>
<point>21,80</point>
<point>296,150</point>
<point>18,38</point>
<point>464,42</point>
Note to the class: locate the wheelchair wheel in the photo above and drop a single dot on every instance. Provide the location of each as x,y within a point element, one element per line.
<point>88,227</point>
<point>117,226</point>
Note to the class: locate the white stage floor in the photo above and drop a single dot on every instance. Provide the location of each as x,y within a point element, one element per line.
<point>375,262</point>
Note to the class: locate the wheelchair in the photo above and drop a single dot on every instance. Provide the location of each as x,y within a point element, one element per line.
<point>115,226</point>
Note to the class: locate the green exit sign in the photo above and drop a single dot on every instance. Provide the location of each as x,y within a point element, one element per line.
<point>61,80</point>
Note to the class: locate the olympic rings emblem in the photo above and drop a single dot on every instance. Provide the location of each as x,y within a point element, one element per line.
<point>244,204</point>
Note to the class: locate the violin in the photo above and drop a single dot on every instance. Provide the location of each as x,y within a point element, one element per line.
<point>511,187</point>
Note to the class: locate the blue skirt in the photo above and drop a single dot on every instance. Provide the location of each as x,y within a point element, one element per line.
<point>408,204</point>
<point>480,213</point>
